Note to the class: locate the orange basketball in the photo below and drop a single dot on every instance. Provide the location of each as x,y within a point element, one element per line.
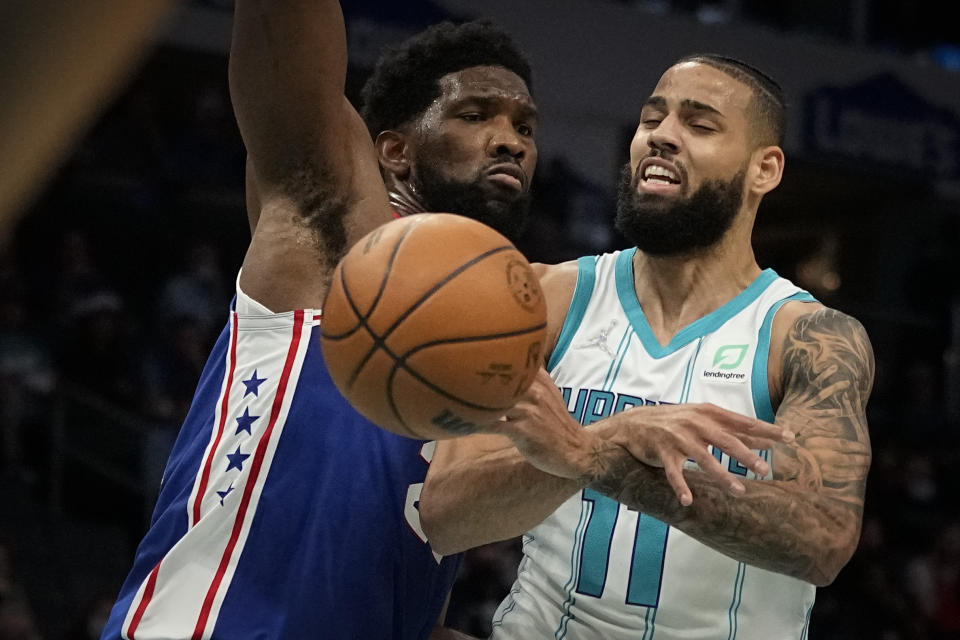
<point>434,326</point>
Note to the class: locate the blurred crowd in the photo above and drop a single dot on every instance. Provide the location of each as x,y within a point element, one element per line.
<point>115,285</point>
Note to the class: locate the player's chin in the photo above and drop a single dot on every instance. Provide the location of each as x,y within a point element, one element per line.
<point>655,201</point>
<point>497,199</point>
<point>509,204</point>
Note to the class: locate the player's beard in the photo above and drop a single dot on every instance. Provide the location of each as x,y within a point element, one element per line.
<point>681,226</point>
<point>472,199</point>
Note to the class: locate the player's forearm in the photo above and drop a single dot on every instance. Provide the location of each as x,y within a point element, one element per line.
<point>495,497</point>
<point>772,526</point>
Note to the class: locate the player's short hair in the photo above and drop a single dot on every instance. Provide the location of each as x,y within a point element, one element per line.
<point>768,105</point>
<point>406,79</point>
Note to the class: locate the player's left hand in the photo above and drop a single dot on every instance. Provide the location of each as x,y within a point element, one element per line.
<point>668,435</point>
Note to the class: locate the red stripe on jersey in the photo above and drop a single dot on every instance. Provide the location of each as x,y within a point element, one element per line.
<point>252,480</point>
<point>205,476</point>
<point>147,595</point>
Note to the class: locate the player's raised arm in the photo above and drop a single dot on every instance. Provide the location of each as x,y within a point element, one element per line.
<point>317,180</point>
<point>288,63</point>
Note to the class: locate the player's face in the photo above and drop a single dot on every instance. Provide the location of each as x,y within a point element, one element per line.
<point>684,184</point>
<point>474,148</point>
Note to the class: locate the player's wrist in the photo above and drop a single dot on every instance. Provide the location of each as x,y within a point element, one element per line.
<point>616,430</point>
<point>598,455</point>
<point>555,447</point>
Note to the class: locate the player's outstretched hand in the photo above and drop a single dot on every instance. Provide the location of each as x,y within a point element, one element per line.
<point>668,435</point>
<point>543,430</point>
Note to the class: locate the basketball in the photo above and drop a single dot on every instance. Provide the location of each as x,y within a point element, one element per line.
<point>434,326</point>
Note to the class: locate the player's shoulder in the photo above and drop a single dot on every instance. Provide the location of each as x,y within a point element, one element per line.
<point>559,282</point>
<point>806,316</point>
<point>554,274</point>
<point>809,335</point>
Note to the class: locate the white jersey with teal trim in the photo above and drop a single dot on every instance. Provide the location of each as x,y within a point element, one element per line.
<point>597,570</point>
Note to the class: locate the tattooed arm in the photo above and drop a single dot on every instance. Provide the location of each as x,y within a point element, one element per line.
<point>806,521</point>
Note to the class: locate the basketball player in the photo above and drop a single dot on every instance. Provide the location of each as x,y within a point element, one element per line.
<point>685,316</point>
<point>283,513</point>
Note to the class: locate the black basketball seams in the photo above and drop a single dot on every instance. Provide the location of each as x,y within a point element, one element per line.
<point>453,274</point>
<point>400,364</point>
<point>362,319</point>
<point>379,342</point>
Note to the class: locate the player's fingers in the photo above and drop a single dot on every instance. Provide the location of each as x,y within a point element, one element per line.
<point>763,429</point>
<point>649,456</point>
<point>758,443</point>
<point>712,467</point>
<point>739,451</point>
<point>673,469</point>
<point>735,422</point>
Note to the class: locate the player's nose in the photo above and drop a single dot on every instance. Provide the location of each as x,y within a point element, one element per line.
<point>505,139</point>
<point>665,137</point>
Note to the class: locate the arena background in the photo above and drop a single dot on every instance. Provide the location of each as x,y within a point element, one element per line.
<point>114,279</point>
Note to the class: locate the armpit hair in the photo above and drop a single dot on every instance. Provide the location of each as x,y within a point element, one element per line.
<point>322,209</point>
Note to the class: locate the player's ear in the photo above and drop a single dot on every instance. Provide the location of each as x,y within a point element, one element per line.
<point>393,153</point>
<point>768,169</point>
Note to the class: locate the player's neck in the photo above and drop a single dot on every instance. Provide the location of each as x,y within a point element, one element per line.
<point>676,291</point>
<point>404,198</point>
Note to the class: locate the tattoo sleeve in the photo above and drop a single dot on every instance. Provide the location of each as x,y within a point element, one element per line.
<point>805,522</point>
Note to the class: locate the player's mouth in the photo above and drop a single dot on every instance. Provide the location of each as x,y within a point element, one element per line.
<point>508,176</point>
<point>656,175</point>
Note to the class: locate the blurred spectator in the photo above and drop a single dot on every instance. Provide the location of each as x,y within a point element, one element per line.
<point>486,575</point>
<point>26,374</point>
<point>864,602</point>
<point>933,582</point>
<point>93,618</point>
<point>197,292</point>
<point>78,274</point>
<point>916,508</point>
<point>6,574</point>
<point>16,619</point>
<point>951,361</point>
<point>96,347</point>
<point>205,148</point>
<point>170,370</point>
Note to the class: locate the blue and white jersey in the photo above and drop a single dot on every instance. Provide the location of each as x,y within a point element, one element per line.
<point>597,570</point>
<point>283,513</point>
